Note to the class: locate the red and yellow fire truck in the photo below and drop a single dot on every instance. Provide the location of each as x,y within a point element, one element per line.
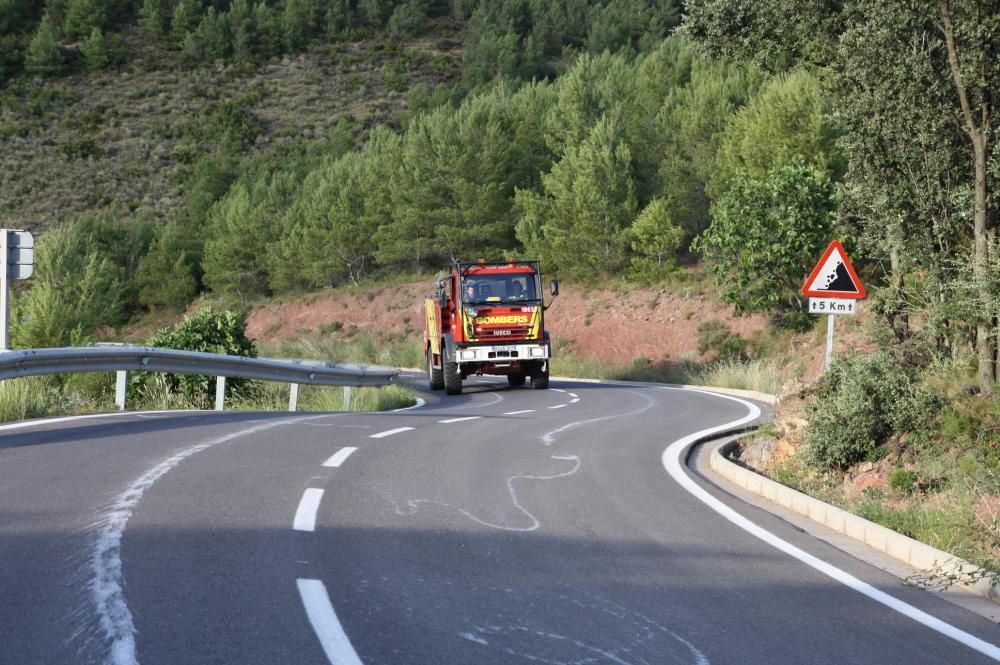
<point>487,318</point>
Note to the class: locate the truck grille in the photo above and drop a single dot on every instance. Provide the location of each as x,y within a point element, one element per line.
<point>502,354</point>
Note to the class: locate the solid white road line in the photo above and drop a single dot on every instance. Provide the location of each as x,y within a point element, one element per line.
<point>305,515</point>
<point>517,413</point>
<point>390,432</point>
<point>338,457</point>
<point>458,420</point>
<point>420,403</point>
<point>673,463</point>
<point>324,621</point>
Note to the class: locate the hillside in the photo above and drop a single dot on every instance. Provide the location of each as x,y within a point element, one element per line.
<point>128,137</point>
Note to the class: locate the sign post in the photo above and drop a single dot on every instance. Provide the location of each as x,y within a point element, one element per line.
<point>833,288</point>
<point>16,248</point>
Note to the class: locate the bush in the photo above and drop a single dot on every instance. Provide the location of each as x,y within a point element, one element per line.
<point>860,404</point>
<point>207,332</point>
<point>903,481</point>
<point>716,337</point>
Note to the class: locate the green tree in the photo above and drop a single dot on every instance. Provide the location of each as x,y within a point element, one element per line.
<point>82,16</point>
<point>765,237</point>
<point>656,238</point>
<point>885,53</point>
<point>152,21</point>
<point>187,14</point>
<point>166,274</point>
<point>44,55</point>
<point>581,224</point>
<point>74,289</point>
<point>95,52</point>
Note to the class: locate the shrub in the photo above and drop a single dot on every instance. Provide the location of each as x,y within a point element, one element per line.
<point>860,403</point>
<point>716,337</point>
<point>208,332</point>
<point>903,481</point>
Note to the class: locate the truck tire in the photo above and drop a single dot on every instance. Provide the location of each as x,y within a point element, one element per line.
<point>452,378</point>
<point>515,380</point>
<point>434,376</point>
<point>540,379</point>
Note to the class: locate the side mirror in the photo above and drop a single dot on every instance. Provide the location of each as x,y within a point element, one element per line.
<point>554,287</point>
<point>442,298</point>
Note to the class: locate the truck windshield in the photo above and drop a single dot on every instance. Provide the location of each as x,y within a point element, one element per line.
<point>500,288</point>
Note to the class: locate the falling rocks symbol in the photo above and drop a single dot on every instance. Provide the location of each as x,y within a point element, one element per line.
<point>840,281</point>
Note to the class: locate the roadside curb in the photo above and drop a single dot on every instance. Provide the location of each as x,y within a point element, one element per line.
<point>936,563</point>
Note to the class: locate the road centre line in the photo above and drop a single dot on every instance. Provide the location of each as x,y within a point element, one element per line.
<point>517,413</point>
<point>672,462</point>
<point>389,432</point>
<point>558,406</point>
<point>572,394</point>
<point>338,457</point>
<point>574,400</point>
<point>305,515</point>
<point>325,623</point>
<point>558,390</point>
<point>458,420</point>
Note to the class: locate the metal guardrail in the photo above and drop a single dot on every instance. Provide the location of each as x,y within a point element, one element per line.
<point>124,358</point>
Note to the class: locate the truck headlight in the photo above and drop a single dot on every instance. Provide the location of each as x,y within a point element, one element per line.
<point>537,352</point>
<point>468,355</point>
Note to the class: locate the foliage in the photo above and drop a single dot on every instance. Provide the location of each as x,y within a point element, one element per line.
<point>207,332</point>
<point>765,236</point>
<point>717,338</point>
<point>75,288</point>
<point>861,402</point>
<point>44,56</point>
<point>95,52</point>
<point>656,238</point>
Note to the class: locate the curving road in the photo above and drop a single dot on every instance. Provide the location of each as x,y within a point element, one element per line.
<point>496,527</point>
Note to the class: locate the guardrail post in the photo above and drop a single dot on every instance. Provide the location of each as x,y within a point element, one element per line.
<point>120,383</point>
<point>347,398</point>
<point>293,397</point>
<point>220,393</point>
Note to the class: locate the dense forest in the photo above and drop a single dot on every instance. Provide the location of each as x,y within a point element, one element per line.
<point>606,138</point>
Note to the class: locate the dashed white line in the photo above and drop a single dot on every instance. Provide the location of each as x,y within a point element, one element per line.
<point>324,621</point>
<point>558,390</point>
<point>338,457</point>
<point>572,394</point>
<point>305,515</point>
<point>574,400</point>
<point>390,432</point>
<point>672,462</point>
<point>458,420</point>
<point>558,406</point>
<point>517,413</point>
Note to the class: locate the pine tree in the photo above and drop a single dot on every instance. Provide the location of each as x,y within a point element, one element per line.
<point>44,55</point>
<point>151,19</point>
<point>95,52</point>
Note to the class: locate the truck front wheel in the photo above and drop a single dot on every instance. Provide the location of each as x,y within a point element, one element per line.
<point>434,376</point>
<point>452,378</point>
<point>515,380</point>
<point>540,378</point>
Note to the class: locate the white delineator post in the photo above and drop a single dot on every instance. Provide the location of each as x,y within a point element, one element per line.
<point>829,340</point>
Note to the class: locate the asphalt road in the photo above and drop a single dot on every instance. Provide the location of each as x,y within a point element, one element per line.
<point>502,526</point>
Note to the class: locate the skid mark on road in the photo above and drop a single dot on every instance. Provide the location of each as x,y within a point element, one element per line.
<point>413,505</point>
<point>105,581</point>
<point>549,437</point>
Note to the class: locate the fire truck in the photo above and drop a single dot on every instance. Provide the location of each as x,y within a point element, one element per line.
<point>487,318</point>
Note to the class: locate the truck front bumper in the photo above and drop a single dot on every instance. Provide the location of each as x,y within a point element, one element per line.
<point>502,353</point>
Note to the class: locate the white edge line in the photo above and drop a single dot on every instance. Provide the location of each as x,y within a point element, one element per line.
<point>89,416</point>
<point>389,432</point>
<point>325,623</point>
<point>458,420</point>
<point>517,413</point>
<point>420,403</point>
<point>672,462</point>
<point>305,515</point>
<point>558,406</point>
<point>338,457</point>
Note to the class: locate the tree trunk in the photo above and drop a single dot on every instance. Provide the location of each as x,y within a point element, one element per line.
<point>898,318</point>
<point>977,131</point>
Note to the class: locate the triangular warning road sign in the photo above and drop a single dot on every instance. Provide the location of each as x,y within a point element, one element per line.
<point>834,276</point>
